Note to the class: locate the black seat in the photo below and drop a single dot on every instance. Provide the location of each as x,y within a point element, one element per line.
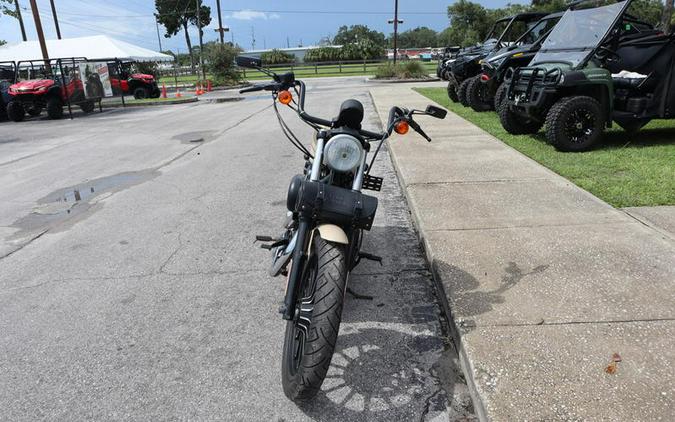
<point>627,83</point>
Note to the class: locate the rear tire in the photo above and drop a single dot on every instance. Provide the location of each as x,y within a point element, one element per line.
<point>516,124</point>
<point>88,107</point>
<point>500,95</point>
<point>141,93</point>
<point>54,108</point>
<point>478,95</point>
<point>452,92</point>
<point>15,111</point>
<point>575,124</point>
<point>462,91</point>
<point>306,357</point>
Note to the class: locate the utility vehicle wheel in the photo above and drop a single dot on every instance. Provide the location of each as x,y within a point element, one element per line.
<point>452,92</point>
<point>500,95</point>
<point>55,108</point>
<point>478,95</point>
<point>88,107</point>
<point>141,93</point>
<point>461,92</point>
<point>575,124</point>
<point>15,111</point>
<point>35,111</point>
<point>156,93</point>
<point>310,339</point>
<point>516,124</point>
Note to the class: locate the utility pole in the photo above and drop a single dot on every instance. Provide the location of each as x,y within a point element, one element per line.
<point>220,29</point>
<point>395,21</point>
<point>18,16</point>
<point>40,34</point>
<point>288,42</point>
<point>252,38</point>
<point>201,43</point>
<point>159,39</point>
<point>56,20</point>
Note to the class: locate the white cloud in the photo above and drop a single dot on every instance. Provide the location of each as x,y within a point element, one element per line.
<point>247,15</point>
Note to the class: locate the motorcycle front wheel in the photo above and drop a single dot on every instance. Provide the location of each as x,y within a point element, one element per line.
<point>311,336</point>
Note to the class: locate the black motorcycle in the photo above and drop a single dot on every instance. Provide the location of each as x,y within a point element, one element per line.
<point>327,214</point>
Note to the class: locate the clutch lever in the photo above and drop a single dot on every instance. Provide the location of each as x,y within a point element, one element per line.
<point>413,124</point>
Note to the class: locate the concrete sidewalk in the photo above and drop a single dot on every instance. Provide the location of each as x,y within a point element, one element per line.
<point>546,284</point>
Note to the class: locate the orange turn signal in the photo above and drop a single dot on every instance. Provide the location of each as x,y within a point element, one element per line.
<point>285,97</point>
<point>401,127</point>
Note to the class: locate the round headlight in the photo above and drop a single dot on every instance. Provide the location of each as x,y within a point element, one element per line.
<point>343,153</point>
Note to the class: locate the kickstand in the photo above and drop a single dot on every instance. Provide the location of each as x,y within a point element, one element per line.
<point>358,296</point>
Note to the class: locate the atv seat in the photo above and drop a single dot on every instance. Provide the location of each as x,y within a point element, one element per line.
<point>627,83</point>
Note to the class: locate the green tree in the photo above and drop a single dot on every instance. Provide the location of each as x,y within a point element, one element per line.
<point>7,7</point>
<point>3,42</point>
<point>418,37</point>
<point>358,33</point>
<point>277,56</point>
<point>175,15</point>
<point>469,23</point>
<point>220,63</point>
<point>322,54</point>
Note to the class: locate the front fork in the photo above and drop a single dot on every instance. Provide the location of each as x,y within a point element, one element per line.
<point>297,264</point>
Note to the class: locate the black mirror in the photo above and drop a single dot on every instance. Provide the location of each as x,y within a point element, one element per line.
<point>250,62</point>
<point>436,112</point>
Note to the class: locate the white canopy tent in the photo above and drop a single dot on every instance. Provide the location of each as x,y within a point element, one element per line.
<point>98,47</point>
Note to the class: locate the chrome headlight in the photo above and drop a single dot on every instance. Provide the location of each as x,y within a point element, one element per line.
<point>343,153</point>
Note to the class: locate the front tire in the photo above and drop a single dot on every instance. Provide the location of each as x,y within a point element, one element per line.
<point>500,96</point>
<point>141,93</point>
<point>575,124</point>
<point>462,91</point>
<point>15,111</point>
<point>452,92</point>
<point>515,124</point>
<point>310,341</point>
<point>478,95</point>
<point>54,108</point>
<point>88,106</point>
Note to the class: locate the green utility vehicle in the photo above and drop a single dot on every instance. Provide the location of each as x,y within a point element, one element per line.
<point>599,65</point>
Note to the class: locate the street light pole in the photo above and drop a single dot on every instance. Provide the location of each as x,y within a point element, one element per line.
<point>201,42</point>
<point>220,29</point>
<point>395,21</point>
<point>40,34</point>
<point>18,16</point>
<point>159,39</point>
<point>56,20</point>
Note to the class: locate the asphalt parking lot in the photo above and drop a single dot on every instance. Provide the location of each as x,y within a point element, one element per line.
<point>131,288</point>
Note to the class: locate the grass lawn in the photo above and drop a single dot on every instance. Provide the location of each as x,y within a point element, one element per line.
<point>625,170</point>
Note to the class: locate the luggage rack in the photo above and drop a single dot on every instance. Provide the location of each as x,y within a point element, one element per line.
<point>372,182</point>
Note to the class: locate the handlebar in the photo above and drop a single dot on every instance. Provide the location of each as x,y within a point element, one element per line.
<point>288,81</point>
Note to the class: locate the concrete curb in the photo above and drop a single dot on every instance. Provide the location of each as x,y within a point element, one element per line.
<point>155,104</point>
<point>401,81</point>
<point>221,100</point>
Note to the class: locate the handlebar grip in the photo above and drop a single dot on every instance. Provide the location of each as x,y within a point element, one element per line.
<point>252,89</point>
<point>418,129</point>
<point>372,135</point>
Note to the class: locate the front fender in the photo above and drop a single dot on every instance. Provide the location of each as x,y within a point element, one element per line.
<point>333,233</point>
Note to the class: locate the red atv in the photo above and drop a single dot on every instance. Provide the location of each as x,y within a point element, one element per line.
<point>140,85</point>
<point>34,95</point>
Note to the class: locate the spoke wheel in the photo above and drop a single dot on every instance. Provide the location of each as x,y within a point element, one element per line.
<point>579,125</point>
<point>575,124</point>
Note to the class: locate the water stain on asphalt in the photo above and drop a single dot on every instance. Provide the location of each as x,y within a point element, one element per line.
<point>68,204</point>
<point>195,137</point>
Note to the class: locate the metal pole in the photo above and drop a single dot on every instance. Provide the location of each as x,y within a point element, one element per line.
<point>201,44</point>
<point>159,39</point>
<point>18,16</point>
<point>41,35</point>
<point>56,20</point>
<point>395,27</point>
<point>220,23</point>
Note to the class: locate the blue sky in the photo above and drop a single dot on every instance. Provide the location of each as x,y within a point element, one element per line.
<point>274,22</point>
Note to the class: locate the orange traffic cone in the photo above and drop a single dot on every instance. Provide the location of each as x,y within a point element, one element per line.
<point>163,90</point>
<point>178,94</point>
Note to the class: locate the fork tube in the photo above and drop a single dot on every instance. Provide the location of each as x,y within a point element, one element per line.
<point>294,279</point>
<point>318,157</point>
<point>358,179</point>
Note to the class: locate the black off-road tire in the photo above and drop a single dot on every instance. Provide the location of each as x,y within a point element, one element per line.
<point>302,381</point>
<point>34,111</point>
<point>500,96</point>
<point>141,93</point>
<point>54,108</point>
<point>462,91</point>
<point>477,94</point>
<point>516,124</point>
<point>15,111</point>
<point>561,131</point>
<point>452,92</point>
<point>88,106</point>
